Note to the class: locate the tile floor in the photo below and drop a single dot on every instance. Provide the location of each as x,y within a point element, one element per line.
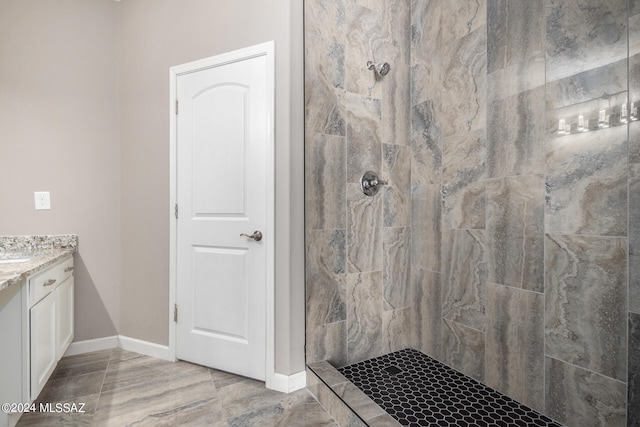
<point>417,391</point>
<point>122,388</point>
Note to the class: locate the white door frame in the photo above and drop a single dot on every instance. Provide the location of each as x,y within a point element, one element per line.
<point>264,49</point>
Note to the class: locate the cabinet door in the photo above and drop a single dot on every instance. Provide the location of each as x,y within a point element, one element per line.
<point>43,342</point>
<point>64,316</point>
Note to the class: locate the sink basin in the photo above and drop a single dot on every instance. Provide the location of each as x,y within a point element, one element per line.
<point>13,260</point>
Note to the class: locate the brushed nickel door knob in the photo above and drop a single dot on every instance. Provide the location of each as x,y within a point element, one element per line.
<point>257,235</point>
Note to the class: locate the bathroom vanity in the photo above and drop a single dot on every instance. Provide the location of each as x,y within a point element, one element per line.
<point>36,314</point>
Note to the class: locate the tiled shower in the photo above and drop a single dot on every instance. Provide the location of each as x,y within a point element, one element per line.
<point>503,246</point>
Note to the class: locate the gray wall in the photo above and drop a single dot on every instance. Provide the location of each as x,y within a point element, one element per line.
<point>85,115</point>
<point>58,109</point>
<point>521,240</point>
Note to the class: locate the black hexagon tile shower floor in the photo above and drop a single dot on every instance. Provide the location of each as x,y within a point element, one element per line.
<point>419,391</point>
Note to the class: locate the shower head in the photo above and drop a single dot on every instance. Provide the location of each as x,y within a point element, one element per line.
<point>381,68</point>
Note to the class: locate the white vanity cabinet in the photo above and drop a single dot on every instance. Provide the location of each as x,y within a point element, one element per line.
<point>50,305</point>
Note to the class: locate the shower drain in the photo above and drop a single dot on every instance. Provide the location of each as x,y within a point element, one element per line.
<point>417,390</point>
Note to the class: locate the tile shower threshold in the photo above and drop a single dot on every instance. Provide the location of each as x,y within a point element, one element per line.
<point>417,390</point>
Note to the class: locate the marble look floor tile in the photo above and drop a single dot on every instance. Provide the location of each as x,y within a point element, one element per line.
<point>144,391</point>
<point>82,364</point>
<point>71,387</point>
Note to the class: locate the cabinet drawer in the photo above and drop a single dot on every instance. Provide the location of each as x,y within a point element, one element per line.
<point>43,283</point>
<point>66,271</point>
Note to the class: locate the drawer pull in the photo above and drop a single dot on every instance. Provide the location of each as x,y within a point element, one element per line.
<point>68,269</point>
<point>50,282</point>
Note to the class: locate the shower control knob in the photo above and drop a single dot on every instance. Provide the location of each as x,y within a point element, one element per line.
<point>371,183</point>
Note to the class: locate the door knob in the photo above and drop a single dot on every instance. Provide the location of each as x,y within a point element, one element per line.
<point>257,236</point>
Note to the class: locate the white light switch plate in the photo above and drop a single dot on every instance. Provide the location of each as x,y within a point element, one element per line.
<point>43,200</point>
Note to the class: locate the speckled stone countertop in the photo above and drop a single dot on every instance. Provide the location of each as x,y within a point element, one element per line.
<point>42,251</point>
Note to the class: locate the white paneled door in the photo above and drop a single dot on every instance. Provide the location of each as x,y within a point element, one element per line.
<point>223,159</point>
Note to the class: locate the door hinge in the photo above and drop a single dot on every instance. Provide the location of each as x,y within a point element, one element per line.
<point>175,313</point>
<point>176,106</point>
<point>176,211</point>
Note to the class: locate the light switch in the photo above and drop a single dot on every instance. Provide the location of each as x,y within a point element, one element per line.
<point>43,200</point>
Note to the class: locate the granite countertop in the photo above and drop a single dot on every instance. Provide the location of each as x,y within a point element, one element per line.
<point>42,251</point>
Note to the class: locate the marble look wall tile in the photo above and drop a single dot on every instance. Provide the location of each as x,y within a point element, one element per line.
<point>586,184</point>
<point>515,232</point>
<point>634,238</point>
<point>395,45</point>
<point>464,75</point>
<point>398,331</point>
<point>583,38</point>
<point>634,77</point>
<point>464,277</point>
<point>634,142</point>
<point>364,136</point>
<point>325,182</point>
<point>425,48</point>
<point>364,38</point>
<point>464,349</point>
<point>634,7</point>
<point>633,377</point>
<point>516,125</point>
<point>586,302</point>
<point>462,18</point>
<point>395,106</point>
<point>426,209</point>
<point>327,342</point>
<point>425,27</point>
<point>364,232</point>
<point>396,280</point>
<point>463,186</point>
<point>577,397</point>
<point>591,84</point>
<point>326,275</point>
<point>324,87</point>
<point>515,32</point>
<point>364,316</point>
<point>515,344</point>
<point>426,144</point>
<point>428,312</point>
<point>396,169</point>
<point>326,19</point>
<point>634,33</point>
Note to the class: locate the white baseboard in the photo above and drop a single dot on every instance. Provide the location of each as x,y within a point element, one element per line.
<point>279,382</point>
<point>288,383</point>
<point>88,346</point>
<point>144,347</point>
<point>119,341</point>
